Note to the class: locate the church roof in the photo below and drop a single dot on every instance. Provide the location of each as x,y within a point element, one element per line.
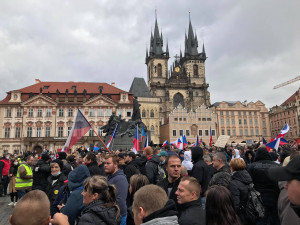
<point>230,103</point>
<point>139,88</point>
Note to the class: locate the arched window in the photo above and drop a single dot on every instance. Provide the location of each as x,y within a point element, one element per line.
<point>195,68</point>
<point>144,113</point>
<point>159,72</point>
<point>178,99</point>
<point>152,130</point>
<point>152,113</point>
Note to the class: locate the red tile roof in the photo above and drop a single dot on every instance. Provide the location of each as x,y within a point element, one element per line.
<point>290,99</point>
<point>52,87</point>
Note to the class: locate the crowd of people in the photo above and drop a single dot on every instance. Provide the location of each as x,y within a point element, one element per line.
<point>196,185</point>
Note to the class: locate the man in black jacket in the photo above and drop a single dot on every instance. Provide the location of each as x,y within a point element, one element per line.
<point>41,172</point>
<point>189,202</point>
<point>151,165</point>
<point>222,175</point>
<point>90,161</point>
<point>170,183</point>
<point>131,167</point>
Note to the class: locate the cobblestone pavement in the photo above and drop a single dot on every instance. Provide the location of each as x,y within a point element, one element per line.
<point>5,210</point>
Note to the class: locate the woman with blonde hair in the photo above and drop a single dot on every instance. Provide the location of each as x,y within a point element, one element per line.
<point>101,202</point>
<point>239,186</point>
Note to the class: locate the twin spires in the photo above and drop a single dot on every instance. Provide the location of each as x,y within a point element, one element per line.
<point>191,44</point>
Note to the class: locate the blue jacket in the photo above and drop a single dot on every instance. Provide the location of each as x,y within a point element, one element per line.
<point>74,204</point>
<point>120,181</point>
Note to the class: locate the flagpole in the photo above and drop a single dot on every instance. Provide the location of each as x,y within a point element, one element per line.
<point>100,138</point>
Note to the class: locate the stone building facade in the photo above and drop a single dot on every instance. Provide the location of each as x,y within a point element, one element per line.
<point>288,112</point>
<point>242,121</point>
<point>184,82</point>
<point>190,123</point>
<point>41,115</point>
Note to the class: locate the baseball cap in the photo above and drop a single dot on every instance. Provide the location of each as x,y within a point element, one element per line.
<point>289,172</point>
<point>131,154</point>
<point>163,153</point>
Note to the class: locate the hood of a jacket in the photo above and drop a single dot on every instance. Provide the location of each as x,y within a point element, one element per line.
<point>168,210</point>
<point>140,161</point>
<point>189,204</point>
<point>188,156</point>
<point>77,177</point>
<point>108,215</point>
<point>155,159</point>
<point>197,154</point>
<point>242,176</point>
<point>262,154</point>
<point>119,172</point>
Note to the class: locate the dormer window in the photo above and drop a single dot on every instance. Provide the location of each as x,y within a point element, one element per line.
<point>46,87</point>
<point>15,96</point>
<point>74,88</point>
<point>124,97</point>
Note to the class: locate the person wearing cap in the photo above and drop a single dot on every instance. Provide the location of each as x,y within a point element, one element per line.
<point>55,180</point>
<point>121,157</point>
<point>131,167</point>
<point>41,171</point>
<point>291,174</point>
<point>163,156</point>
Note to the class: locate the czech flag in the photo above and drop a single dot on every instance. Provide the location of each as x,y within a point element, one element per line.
<point>179,143</point>
<point>136,146</point>
<point>146,143</point>
<point>284,130</point>
<point>80,127</point>
<point>143,133</point>
<point>264,141</point>
<point>112,136</point>
<point>210,138</point>
<point>197,143</point>
<point>165,143</point>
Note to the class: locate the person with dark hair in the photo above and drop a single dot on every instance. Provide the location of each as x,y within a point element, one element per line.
<point>117,177</point>
<point>4,171</point>
<point>171,182</point>
<point>151,165</point>
<point>265,186</point>
<point>239,186</point>
<point>189,203</point>
<point>41,172</point>
<point>222,175</point>
<point>200,170</point>
<point>55,180</point>
<point>99,197</point>
<point>219,208</point>
<point>67,168</point>
<point>136,182</point>
<point>24,177</point>
<point>249,157</point>
<point>72,161</point>
<point>130,168</point>
<point>90,161</point>
<point>12,181</point>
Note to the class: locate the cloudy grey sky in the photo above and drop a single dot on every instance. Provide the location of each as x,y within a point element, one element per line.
<point>251,45</point>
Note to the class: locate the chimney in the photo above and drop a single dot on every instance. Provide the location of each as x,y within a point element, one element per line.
<point>113,83</point>
<point>37,81</point>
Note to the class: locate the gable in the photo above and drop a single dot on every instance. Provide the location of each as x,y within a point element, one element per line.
<point>100,101</point>
<point>39,100</point>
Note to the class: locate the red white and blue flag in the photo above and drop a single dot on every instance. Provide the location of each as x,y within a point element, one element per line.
<point>210,138</point>
<point>181,142</point>
<point>112,136</point>
<point>264,141</point>
<point>143,133</point>
<point>136,146</point>
<point>146,143</point>
<point>274,144</point>
<point>165,143</point>
<point>80,127</point>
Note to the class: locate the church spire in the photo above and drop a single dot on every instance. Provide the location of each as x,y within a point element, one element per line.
<point>157,43</point>
<point>191,42</point>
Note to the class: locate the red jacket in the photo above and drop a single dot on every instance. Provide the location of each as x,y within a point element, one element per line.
<point>6,166</point>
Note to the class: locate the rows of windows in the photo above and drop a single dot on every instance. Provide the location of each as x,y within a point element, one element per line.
<point>241,122</point>
<point>151,114</point>
<point>232,113</point>
<point>242,132</point>
<point>201,133</point>
<point>9,113</point>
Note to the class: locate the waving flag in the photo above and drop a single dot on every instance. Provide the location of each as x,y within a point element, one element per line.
<point>264,141</point>
<point>197,143</point>
<point>143,133</point>
<point>174,143</point>
<point>184,141</point>
<point>80,127</point>
<point>165,143</point>
<point>112,136</point>
<point>146,143</point>
<point>273,144</point>
<point>179,144</point>
<point>136,146</point>
<point>210,138</point>
<point>284,130</point>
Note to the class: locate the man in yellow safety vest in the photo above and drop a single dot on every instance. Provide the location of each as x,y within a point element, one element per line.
<point>24,177</point>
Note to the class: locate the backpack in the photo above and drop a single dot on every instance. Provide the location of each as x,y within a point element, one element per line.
<point>254,208</point>
<point>160,174</point>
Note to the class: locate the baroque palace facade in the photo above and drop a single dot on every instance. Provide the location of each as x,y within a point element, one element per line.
<point>40,116</point>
